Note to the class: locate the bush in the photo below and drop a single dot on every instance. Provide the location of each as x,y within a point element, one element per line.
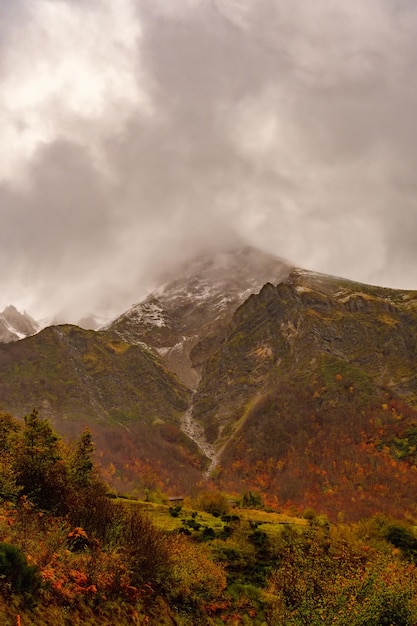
<point>322,579</point>
<point>196,577</point>
<point>251,500</point>
<point>213,502</point>
<point>174,511</point>
<point>15,574</point>
<point>309,515</point>
<point>96,513</point>
<point>403,538</point>
<point>147,551</point>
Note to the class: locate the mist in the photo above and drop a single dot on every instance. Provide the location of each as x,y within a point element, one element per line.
<point>137,133</point>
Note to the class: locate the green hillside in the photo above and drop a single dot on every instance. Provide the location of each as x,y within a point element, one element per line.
<point>131,402</point>
<point>79,373</point>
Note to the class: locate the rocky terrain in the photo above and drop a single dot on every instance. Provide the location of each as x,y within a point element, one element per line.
<point>185,319</point>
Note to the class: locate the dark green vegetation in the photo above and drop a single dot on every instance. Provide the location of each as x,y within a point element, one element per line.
<point>70,554</point>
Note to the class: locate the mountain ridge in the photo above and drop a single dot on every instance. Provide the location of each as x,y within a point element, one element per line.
<point>304,388</point>
<point>327,319</point>
<point>306,364</point>
<point>195,307</point>
<point>15,325</point>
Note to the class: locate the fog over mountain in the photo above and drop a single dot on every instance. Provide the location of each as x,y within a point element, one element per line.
<point>136,132</point>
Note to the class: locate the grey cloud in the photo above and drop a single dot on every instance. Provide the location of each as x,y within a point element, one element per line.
<point>59,228</point>
<point>65,202</point>
<point>349,108</point>
<point>290,125</point>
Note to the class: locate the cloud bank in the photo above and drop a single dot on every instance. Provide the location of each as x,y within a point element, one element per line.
<point>135,132</point>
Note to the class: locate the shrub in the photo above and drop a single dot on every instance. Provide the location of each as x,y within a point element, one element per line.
<point>403,538</point>
<point>251,500</point>
<point>147,551</point>
<point>322,579</point>
<point>15,574</point>
<point>213,502</point>
<point>196,577</point>
<point>309,515</point>
<point>96,513</point>
<point>174,511</point>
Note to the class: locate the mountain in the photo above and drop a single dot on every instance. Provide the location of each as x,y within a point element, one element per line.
<point>260,376</point>
<point>127,397</point>
<point>124,380</point>
<point>184,320</point>
<point>312,396</point>
<point>92,322</point>
<point>15,325</point>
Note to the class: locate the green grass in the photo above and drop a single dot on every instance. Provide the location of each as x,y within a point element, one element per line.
<point>270,522</point>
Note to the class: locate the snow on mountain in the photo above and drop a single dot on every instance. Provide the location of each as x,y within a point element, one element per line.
<point>194,302</point>
<point>216,281</point>
<point>15,325</point>
<point>150,313</point>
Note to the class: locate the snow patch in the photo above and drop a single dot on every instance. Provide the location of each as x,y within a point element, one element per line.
<point>302,289</point>
<point>162,351</point>
<point>222,304</point>
<point>13,330</point>
<point>149,313</point>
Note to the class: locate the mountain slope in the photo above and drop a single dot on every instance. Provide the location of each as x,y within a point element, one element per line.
<point>299,385</point>
<point>15,325</point>
<point>131,402</point>
<point>184,320</point>
<point>306,365</point>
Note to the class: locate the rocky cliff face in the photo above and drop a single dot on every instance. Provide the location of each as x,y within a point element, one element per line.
<point>314,380</point>
<point>185,319</point>
<point>291,329</point>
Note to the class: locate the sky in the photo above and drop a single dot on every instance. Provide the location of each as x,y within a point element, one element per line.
<point>135,132</point>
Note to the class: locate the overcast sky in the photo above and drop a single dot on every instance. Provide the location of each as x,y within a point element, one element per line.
<point>134,131</point>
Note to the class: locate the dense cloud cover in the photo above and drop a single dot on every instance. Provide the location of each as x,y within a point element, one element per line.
<point>135,131</point>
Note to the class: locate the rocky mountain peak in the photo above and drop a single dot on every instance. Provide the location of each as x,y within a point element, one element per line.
<point>183,319</point>
<point>15,325</point>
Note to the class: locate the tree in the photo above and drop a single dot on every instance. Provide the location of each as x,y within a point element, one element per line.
<point>81,462</point>
<point>9,428</point>
<point>40,467</point>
